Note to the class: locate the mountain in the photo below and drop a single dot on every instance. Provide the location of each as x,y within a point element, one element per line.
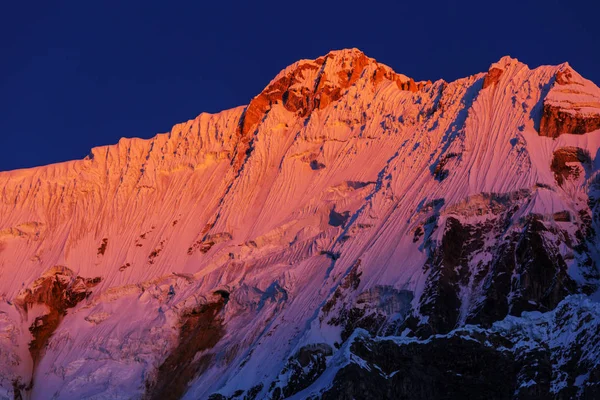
<point>349,234</point>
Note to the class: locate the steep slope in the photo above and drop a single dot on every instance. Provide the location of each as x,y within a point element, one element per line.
<point>247,252</point>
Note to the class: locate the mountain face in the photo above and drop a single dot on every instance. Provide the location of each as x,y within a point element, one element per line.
<point>350,234</point>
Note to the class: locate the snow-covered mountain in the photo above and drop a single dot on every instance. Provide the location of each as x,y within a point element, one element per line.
<point>350,234</point>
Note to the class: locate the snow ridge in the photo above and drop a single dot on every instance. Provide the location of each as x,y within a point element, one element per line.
<point>344,198</point>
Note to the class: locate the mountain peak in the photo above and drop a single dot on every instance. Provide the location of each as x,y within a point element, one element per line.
<point>572,104</point>
<point>307,85</point>
<point>497,69</point>
<point>335,58</point>
<point>507,60</point>
<point>346,54</point>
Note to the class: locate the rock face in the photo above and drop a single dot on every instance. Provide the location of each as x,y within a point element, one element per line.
<point>556,121</point>
<point>505,362</point>
<point>446,368</point>
<point>57,290</point>
<point>572,105</point>
<point>313,85</point>
<point>301,370</point>
<point>201,329</point>
<point>492,77</point>
<point>351,233</point>
<point>563,160</point>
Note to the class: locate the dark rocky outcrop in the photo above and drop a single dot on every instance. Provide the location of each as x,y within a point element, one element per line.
<point>301,370</point>
<point>102,248</point>
<point>447,368</point>
<point>565,155</point>
<point>492,77</point>
<point>564,77</point>
<point>528,274</point>
<point>378,310</point>
<point>350,283</point>
<point>556,121</point>
<point>18,388</point>
<point>124,267</point>
<point>562,216</point>
<point>521,267</point>
<point>314,162</point>
<point>250,394</point>
<point>208,241</point>
<point>200,330</point>
<point>576,109</point>
<point>59,289</point>
<point>550,356</point>
<point>316,165</point>
<point>449,270</point>
<point>440,172</point>
<point>338,219</point>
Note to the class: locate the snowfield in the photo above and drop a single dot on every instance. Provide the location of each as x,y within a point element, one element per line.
<point>258,252</point>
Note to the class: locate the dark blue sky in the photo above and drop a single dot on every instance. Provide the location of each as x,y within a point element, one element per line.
<point>78,74</point>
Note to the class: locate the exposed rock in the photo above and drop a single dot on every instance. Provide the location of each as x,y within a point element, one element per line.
<point>528,274</point>
<point>18,388</point>
<point>447,368</point>
<point>313,161</point>
<point>301,370</point>
<point>572,105</point>
<point>58,289</point>
<point>556,121</point>
<point>517,269</point>
<point>253,392</point>
<point>351,282</point>
<point>449,267</point>
<point>440,172</point>
<point>492,77</point>
<point>378,310</point>
<point>330,254</point>
<point>153,254</point>
<point>401,81</point>
<point>124,267</point>
<point>208,241</point>
<point>537,356</point>
<point>316,165</point>
<point>338,219</point>
<point>543,272</point>
<point>564,77</point>
<point>418,233</point>
<point>250,394</point>
<point>565,155</point>
<point>562,216</point>
<point>102,248</point>
<point>200,330</point>
<point>302,95</point>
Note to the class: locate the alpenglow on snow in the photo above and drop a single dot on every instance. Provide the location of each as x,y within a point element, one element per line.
<point>349,234</point>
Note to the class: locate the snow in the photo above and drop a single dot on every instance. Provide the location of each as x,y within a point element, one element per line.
<point>579,96</point>
<point>154,200</point>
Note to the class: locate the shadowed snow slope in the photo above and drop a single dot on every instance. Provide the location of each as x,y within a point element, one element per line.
<point>250,253</point>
